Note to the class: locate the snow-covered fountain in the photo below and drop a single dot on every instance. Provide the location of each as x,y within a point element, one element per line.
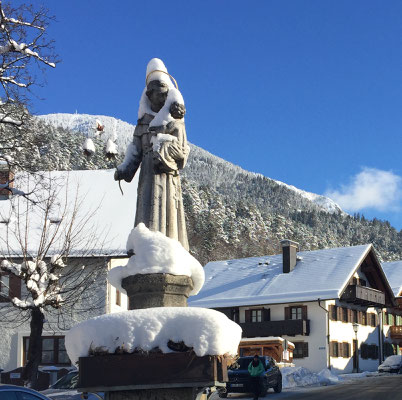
<point>160,349</point>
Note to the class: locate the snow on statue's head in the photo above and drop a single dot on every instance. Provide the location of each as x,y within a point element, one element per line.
<point>159,88</point>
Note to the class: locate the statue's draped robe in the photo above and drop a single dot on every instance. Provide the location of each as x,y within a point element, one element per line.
<point>159,199</point>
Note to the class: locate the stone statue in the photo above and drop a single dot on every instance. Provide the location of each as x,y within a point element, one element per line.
<point>160,147</point>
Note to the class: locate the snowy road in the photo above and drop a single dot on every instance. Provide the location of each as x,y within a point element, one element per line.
<point>386,387</point>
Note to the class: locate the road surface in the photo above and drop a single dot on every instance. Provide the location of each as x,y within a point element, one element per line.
<point>386,387</point>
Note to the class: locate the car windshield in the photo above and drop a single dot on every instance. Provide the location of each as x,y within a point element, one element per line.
<point>69,381</point>
<point>242,363</point>
<point>392,360</point>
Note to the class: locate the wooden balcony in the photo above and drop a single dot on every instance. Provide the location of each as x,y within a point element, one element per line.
<point>363,295</point>
<point>396,332</point>
<point>290,327</point>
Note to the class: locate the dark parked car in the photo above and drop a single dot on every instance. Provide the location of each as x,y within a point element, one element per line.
<point>391,364</point>
<point>12,392</point>
<point>239,378</point>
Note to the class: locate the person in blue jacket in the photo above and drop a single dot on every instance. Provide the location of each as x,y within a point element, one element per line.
<point>256,369</point>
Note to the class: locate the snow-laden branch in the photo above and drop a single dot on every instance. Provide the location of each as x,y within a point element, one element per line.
<point>23,39</point>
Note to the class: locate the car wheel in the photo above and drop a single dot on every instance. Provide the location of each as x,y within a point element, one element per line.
<point>278,387</point>
<point>223,395</point>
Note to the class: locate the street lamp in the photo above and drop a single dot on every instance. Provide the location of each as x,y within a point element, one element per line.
<point>356,328</point>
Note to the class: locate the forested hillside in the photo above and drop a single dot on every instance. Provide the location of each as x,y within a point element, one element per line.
<point>230,212</point>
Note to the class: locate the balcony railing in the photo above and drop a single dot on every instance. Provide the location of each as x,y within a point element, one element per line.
<point>363,295</point>
<point>290,327</point>
<point>396,332</point>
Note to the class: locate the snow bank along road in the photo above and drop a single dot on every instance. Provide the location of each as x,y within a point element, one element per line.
<point>385,387</point>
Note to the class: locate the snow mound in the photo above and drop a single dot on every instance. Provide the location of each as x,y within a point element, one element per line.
<point>155,253</point>
<point>208,332</point>
<point>300,376</point>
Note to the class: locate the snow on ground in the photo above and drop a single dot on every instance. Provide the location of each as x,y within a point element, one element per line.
<point>300,376</point>
<point>155,253</point>
<point>208,332</point>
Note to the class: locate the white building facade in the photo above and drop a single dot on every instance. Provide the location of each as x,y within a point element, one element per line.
<point>333,310</point>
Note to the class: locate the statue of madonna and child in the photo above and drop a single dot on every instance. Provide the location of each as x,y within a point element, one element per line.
<point>160,147</point>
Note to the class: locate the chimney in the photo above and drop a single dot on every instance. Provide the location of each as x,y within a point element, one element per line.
<point>6,175</point>
<point>289,250</point>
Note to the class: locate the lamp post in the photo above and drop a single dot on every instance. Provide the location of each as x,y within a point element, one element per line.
<point>356,328</point>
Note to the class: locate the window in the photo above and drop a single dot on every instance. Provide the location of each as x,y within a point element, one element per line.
<point>235,314</point>
<point>256,315</point>
<point>334,349</point>
<point>296,313</point>
<point>301,350</point>
<point>345,349</point>
<point>118,298</point>
<point>373,319</point>
<point>364,318</point>
<point>355,317</point>
<point>344,314</point>
<point>369,351</point>
<point>4,285</point>
<point>390,319</point>
<point>53,350</point>
<point>333,312</point>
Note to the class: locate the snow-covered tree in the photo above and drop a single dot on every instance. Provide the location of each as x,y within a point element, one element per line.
<point>25,52</point>
<point>40,239</point>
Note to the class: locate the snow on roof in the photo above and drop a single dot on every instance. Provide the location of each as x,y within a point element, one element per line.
<point>250,281</point>
<point>393,272</point>
<point>113,213</point>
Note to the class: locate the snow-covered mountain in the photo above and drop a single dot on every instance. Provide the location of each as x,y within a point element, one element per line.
<point>85,124</point>
<point>230,212</point>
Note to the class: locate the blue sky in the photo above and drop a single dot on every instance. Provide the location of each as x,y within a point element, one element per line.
<point>306,92</point>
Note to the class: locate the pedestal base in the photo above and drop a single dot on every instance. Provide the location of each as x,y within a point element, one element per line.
<point>157,290</point>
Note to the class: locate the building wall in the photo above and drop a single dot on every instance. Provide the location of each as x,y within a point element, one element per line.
<point>11,335</point>
<point>317,349</point>
<point>343,332</point>
<point>112,292</point>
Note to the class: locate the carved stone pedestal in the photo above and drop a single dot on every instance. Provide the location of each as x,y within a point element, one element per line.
<point>157,290</point>
<point>152,376</point>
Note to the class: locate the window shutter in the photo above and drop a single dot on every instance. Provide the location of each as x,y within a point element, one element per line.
<point>15,286</point>
<point>305,349</point>
<point>248,315</point>
<point>266,314</point>
<point>340,350</point>
<point>304,312</point>
<point>287,312</point>
<point>331,312</point>
<point>350,315</point>
<point>339,313</point>
<point>359,317</point>
<point>349,350</point>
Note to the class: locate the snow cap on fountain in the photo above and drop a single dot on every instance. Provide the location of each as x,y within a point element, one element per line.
<point>155,253</point>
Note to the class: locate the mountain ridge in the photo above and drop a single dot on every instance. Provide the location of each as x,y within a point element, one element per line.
<point>230,212</point>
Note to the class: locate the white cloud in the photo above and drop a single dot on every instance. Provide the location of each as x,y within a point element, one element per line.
<point>370,188</point>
